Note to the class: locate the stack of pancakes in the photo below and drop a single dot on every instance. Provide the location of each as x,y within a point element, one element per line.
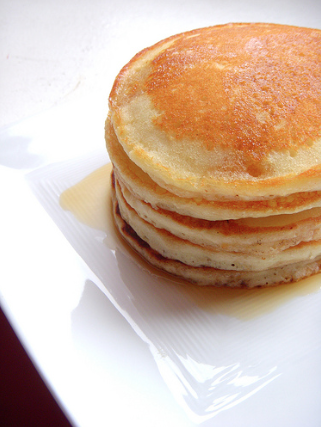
<point>215,140</point>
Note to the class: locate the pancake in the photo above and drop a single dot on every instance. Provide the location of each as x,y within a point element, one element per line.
<point>206,276</point>
<point>173,247</point>
<point>141,184</point>
<point>257,236</point>
<point>230,111</point>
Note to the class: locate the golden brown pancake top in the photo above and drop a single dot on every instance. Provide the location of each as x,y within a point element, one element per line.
<point>225,111</point>
<point>250,87</point>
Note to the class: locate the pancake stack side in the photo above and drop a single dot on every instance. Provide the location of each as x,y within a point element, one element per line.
<point>215,139</point>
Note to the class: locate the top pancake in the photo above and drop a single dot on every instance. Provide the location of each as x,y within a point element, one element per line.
<point>230,111</point>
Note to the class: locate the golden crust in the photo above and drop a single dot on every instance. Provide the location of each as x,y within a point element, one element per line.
<point>231,110</point>
<point>249,102</point>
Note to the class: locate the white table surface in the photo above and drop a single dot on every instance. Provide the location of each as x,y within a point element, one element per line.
<point>58,60</point>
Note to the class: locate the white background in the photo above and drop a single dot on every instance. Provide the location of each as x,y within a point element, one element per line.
<point>51,48</point>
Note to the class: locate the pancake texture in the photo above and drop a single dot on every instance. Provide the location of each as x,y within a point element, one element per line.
<point>207,276</point>
<point>215,140</point>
